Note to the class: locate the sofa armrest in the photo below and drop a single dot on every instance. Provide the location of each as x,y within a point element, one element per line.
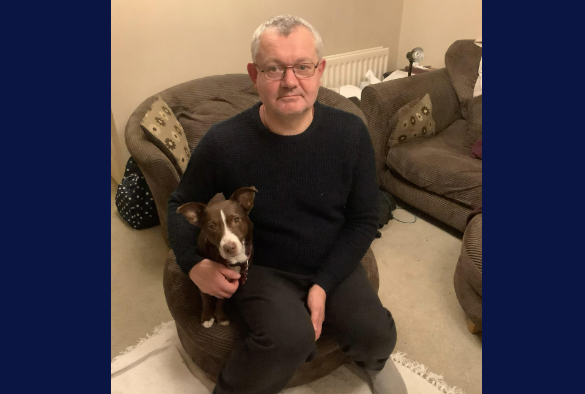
<point>381,101</point>
<point>159,172</point>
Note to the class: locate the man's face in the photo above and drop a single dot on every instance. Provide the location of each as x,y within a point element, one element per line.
<point>289,96</point>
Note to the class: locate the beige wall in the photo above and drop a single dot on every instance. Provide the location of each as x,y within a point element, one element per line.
<point>158,44</point>
<point>434,25</point>
<point>117,166</point>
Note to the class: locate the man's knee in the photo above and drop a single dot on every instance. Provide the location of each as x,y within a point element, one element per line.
<point>297,340</point>
<point>293,340</point>
<point>377,337</point>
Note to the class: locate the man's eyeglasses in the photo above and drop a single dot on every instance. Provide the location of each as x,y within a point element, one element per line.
<point>301,71</point>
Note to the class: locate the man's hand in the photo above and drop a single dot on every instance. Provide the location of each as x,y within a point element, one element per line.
<point>316,304</point>
<point>214,278</point>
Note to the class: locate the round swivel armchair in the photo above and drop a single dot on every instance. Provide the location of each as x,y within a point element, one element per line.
<point>210,348</point>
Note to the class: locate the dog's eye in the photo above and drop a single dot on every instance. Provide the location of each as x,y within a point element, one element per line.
<point>211,226</point>
<point>236,220</point>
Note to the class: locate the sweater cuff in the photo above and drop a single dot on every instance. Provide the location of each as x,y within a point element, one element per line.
<point>187,262</point>
<point>327,282</point>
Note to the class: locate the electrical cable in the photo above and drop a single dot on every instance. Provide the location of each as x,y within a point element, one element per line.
<point>393,218</point>
<point>401,220</point>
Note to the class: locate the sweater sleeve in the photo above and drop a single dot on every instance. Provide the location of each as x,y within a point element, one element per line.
<point>361,220</point>
<point>198,184</point>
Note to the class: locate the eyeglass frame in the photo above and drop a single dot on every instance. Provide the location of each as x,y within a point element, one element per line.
<point>293,70</point>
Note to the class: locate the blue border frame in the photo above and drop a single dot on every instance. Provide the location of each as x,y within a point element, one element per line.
<point>56,210</point>
<point>532,197</point>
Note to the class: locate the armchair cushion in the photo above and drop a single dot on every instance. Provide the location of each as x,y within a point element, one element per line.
<point>441,165</point>
<point>413,121</point>
<point>474,121</point>
<point>164,130</point>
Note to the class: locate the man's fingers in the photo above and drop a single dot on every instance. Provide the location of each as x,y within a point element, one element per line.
<point>228,273</point>
<point>229,287</point>
<point>317,316</point>
<point>317,327</point>
<point>317,320</point>
<point>222,294</point>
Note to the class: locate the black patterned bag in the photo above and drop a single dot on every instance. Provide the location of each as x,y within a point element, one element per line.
<point>134,199</point>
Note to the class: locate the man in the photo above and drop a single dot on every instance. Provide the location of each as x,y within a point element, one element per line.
<point>315,215</point>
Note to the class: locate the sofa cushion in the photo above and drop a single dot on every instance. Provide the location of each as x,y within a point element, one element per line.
<point>441,165</point>
<point>164,130</point>
<point>411,122</point>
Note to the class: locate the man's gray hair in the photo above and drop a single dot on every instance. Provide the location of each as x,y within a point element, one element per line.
<point>285,24</point>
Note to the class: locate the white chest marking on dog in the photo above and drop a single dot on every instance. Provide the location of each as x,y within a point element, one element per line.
<point>229,236</point>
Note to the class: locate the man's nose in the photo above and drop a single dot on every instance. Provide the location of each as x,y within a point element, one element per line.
<point>290,79</point>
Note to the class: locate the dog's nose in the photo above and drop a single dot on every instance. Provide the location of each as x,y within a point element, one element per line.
<point>229,248</point>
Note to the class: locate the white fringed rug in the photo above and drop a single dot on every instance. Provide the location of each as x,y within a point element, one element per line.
<point>159,364</point>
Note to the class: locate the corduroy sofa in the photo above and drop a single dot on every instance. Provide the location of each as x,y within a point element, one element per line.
<point>436,175</point>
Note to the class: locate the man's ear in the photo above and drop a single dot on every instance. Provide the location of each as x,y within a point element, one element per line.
<point>253,73</point>
<point>193,211</point>
<point>321,67</point>
<point>245,196</point>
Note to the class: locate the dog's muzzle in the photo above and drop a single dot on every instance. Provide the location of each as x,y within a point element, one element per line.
<point>243,264</point>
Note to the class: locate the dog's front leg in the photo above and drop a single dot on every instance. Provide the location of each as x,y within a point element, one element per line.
<point>207,310</point>
<point>220,314</point>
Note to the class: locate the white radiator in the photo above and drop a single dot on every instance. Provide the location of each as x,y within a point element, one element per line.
<point>350,68</point>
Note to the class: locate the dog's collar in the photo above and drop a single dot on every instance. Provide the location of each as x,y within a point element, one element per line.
<point>243,267</point>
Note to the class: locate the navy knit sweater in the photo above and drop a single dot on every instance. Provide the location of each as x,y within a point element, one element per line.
<point>316,210</point>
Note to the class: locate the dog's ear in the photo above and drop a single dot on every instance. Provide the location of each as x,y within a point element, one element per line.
<point>193,211</point>
<point>245,197</point>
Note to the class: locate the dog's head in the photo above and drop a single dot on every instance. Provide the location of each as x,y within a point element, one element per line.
<point>224,224</point>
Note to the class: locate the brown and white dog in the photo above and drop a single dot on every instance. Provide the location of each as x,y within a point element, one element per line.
<point>225,237</point>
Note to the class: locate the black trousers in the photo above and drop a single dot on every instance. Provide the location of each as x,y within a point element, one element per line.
<point>280,336</point>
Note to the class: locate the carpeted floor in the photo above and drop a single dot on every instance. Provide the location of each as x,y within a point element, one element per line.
<point>159,364</point>
<point>416,263</point>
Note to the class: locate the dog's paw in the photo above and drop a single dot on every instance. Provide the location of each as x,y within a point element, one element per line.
<point>224,322</point>
<point>208,323</point>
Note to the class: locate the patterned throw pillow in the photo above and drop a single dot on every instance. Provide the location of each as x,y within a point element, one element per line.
<point>164,130</point>
<point>413,121</point>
